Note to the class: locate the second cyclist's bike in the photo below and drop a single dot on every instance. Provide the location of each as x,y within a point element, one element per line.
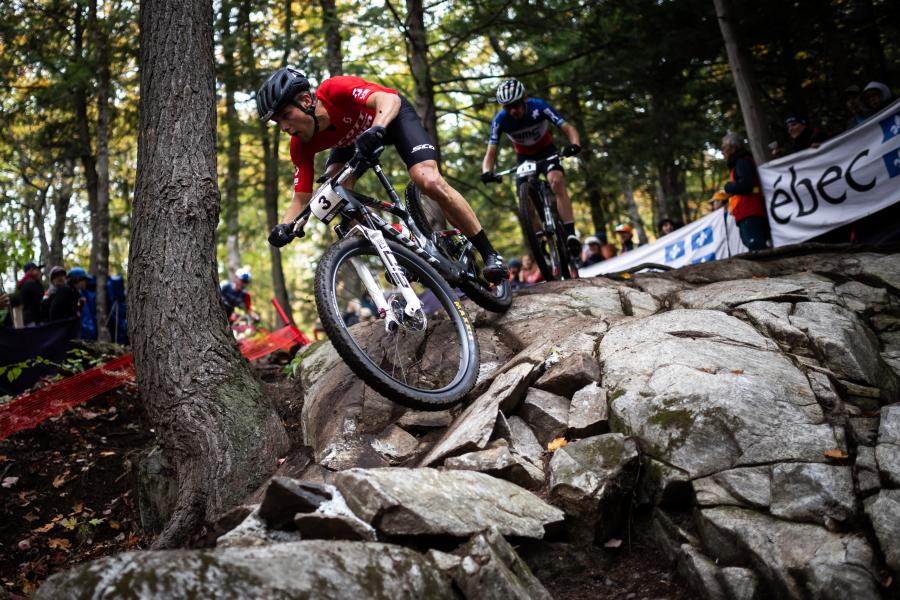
<point>415,344</point>
<point>539,218</point>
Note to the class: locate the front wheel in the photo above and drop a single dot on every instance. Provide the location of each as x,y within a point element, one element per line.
<point>430,361</point>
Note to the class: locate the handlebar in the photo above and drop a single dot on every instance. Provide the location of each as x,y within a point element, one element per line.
<point>356,166</point>
<point>542,161</point>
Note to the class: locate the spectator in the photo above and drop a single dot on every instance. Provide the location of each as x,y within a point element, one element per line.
<point>625,233</point>
<point>607,251</point>
<point>235,294</point>
<point>515,269</point>
<point>68,301</point>
<point>30,292</point>
<point>351,317</point>
<point>665,227</point>
<point>366,314</point>
<point>57,281</point>
<point>591,254</point>
<point>5,316</point>
<point>746,202</point>
<point>874,97</point>
<point>851,101</point>
<point>803,135</point>
<point>530,272</point>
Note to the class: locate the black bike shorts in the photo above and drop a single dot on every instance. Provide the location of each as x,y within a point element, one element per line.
<point>553,165</point>
<point>405,133</point>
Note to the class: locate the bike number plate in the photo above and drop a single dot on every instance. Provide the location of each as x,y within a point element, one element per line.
<point>326,203</point>
<point>526,168</point>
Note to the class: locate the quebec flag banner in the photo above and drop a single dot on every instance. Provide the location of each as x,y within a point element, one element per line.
<point>846,178</point>
<point>709,238</point>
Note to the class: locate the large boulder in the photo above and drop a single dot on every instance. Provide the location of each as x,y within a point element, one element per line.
<point>724,295</point>
<point>885,514</point>
<point>794,560</point>
<point>887,452</point>
<point>402,502</point>
<point>705,392</point>
<point>546,413</point>
<point>306,569</point>
<point>490,568</point>
<point>591,479</point>
<point>499,461</point>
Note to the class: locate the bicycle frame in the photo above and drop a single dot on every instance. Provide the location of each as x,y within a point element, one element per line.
<point>332,199</point>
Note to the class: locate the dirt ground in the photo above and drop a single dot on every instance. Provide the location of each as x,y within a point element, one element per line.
<point>67,497</point>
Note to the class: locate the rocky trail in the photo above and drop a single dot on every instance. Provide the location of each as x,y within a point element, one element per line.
<point>737,421</point>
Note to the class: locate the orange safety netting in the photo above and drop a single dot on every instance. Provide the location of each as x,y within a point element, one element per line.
<point>28,410</point>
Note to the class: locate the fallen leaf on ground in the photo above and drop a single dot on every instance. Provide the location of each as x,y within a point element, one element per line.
<point>114,524</point>
<point>556,444</point>
<point>59,544</point>
<point>108,453</point>
<point>69,523</point>
<point>613,543</point>
<point>44,528</point>
<point>31,517</point>
<point>8,482</point>
<point>836,453</point>
<point>737,371</point>
<point>95,522</point>
<point>60,480</point>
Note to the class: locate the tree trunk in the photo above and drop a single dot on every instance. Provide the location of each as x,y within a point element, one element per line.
<point>100,244</point>
<point>205,403</point>
<point>233,129</point>
<point>88,159</point>
<point>61,199</point>
<point>748,95</point>
<point>592,188</point>
<point>417,57</point>
<point>633,213</point>
<point>270,194</point>
<point>334,57</point>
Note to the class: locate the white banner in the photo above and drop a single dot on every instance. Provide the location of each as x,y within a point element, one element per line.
<point>703,240</point>
<point>848,177</point>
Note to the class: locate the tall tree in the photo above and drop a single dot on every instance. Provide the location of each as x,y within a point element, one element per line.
<point>748,94</point>
<point>331,23</point>
<point>233,140</point>
<point>201,395</point>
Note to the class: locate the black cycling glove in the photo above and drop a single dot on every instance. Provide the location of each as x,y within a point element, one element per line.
<point>370,142</point>
<point>489,177</point>
<point>282,234</point>
<point>571,150</point>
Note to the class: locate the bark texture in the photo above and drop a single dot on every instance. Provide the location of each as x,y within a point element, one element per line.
<point>204,401</point>
<point>334,57</point>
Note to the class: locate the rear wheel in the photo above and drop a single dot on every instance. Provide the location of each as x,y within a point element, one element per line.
<point>493,297</point>
<point>430,361</point>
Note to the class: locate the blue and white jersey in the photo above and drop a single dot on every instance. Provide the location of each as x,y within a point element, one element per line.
<point>531,134</point>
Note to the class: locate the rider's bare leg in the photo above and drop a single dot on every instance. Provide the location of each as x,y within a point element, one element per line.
<point>563,203</point>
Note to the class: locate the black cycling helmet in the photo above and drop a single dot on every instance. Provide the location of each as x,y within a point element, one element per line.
<point>510,91</point>
<point>279,89</point>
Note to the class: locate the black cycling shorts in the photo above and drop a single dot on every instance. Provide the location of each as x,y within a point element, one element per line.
<point>405,133</point>
<point>553,165</point>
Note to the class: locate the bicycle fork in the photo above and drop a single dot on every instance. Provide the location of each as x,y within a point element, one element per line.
<point>395,273</point>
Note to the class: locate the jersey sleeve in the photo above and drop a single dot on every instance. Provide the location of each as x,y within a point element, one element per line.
<point>304,165</point>
<point>549,113</point>
<point>496,129</point>
<point>344,89</point>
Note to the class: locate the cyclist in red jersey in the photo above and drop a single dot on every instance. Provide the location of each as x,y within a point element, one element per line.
<point>347,115</point>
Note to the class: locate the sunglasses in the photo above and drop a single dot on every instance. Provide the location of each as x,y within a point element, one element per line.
<point>516,104</point>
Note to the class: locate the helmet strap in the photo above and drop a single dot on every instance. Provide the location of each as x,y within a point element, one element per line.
<point>311,111</point>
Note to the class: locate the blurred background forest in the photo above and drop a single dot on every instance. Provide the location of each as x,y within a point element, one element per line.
<point>646,82</point>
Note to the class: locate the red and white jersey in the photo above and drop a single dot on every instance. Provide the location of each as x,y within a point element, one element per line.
<point>344,98</point>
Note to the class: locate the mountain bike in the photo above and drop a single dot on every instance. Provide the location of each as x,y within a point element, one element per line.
<point>539,218</point>
<point>418,348</point>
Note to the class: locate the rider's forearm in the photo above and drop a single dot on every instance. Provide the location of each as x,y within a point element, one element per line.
<point>386,107</point>
<point>490,159</point>
<point>572,134</point>
<point>298,203</point>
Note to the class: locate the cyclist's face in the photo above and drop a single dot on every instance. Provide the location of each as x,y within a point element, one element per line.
<point>516,109</point>
<point>294,121</point>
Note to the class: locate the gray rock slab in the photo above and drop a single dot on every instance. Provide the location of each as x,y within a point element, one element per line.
<point>750,487</point>
<point>399,501</point>
<point>663,485</point>
<point>796,560</point>
<point>490,568</point>
<point>739,583</point>
<point>499,462</point>
<point>773,319</point>
<point>863,298</point>
<point>848,347</point>
<point>570,374</point>
<point>701,573</point>
<point>285,497</point>
<point>724,295</point>
<point>705,392</point>
<point>812,492</point>
<point>885,515</point>
<point>590,479</point>
<point>887,452</point>
<point>395,444</point>
<point>253,532</point>
<point>305,569</point>
<point>867,480</point>
<point>418,420</point>
<point>523,441</point>
<point>472,429</point>
<point>588,412</point>
<point>546,413</point>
